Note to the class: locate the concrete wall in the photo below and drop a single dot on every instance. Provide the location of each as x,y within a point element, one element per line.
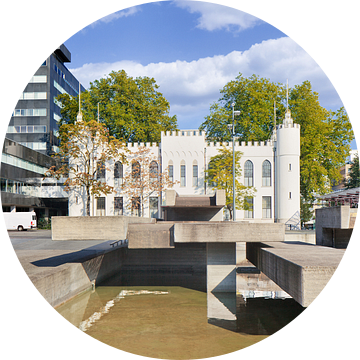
<point>181,256</point>
<point>151,236</point>
<point>228,231</point>
<point>193,214</point>
<point>194,208</point>
<point>306,236</point>
<point>337,238</point>
<point>93,227</point>
<point>184,265</point>
<point>70,279</point>
<point>334,225</point>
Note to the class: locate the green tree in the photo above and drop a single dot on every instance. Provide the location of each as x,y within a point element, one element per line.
<point>325,135</point>
<point>255,98</point>
<point>132,109</point>
<point>219,176</point>
<point>325,141</point>
<point>354,175</point>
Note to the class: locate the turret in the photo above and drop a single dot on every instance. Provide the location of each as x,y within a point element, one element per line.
<point>287,168</point>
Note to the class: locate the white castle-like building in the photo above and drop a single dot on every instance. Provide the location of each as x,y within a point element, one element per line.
<point>271,167</point>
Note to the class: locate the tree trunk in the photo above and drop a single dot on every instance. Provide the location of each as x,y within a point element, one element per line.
<point>88,201</point>
<point>230,212</point>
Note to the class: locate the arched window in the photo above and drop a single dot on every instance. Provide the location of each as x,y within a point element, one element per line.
<point>249,173</point>
<point>118,173</point>
<point>135,170</point>
<point>266,173</point>
<point>153,171</point>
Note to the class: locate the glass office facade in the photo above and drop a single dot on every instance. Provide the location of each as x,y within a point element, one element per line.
<point>35,120</point>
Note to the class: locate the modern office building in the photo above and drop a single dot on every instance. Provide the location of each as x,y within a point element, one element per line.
<point>34,122</point>
<point>23,187</point>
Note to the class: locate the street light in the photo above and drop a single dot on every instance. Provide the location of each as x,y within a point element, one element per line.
<point>232,127</point>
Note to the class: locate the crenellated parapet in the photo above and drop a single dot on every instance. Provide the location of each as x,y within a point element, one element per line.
<point>183,133</point>
<point>133,146</point>
<point>285,126</point>
<point>238,144</point>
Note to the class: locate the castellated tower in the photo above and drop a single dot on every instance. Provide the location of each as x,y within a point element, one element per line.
<point>287,169</point>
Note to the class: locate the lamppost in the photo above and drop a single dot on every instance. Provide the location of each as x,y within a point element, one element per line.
<point>232,127</point>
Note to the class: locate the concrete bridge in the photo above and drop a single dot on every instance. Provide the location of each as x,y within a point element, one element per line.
<point>300,269</point>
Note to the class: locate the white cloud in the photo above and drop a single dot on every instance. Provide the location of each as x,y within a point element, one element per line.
<point>116,15</point>
<point>193,86</point>
<point>215,17</point>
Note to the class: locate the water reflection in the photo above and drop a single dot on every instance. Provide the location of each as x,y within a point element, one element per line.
<point>250,312</point>
<point>259,307</point>
<point>171,316</point>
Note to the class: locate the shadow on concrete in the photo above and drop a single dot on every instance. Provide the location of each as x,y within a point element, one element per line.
<point>228,284</point>
<point>74,257</point>
<point>182,277</point>
<point>247,270</point>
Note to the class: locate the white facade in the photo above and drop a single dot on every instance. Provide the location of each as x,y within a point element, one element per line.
<point>272,167</point>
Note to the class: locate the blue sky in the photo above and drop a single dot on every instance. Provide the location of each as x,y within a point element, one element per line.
<point>192,49</point>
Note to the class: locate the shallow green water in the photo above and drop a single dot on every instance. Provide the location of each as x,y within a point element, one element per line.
<point>173,322</point>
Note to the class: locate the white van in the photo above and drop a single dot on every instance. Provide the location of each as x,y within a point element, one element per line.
<point>20,220</point>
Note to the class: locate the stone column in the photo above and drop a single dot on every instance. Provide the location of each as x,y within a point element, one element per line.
<point>221,267</point>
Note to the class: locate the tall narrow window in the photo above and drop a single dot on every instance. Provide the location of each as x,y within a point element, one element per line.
<point>249,207</point>
<point>154,173</point>
<point>266,173</point>
<point>100,172</point>
<point>249,173</point>
<point>118,173</point>
<point>153,204</point>
<point>135,206</point>
<point>118,206</point>
<point>195,181</point>
<point>266,207</point>
<point>100,206</point>
<point>182,174</point>
<point>135,170</point>
<point>171,171</point>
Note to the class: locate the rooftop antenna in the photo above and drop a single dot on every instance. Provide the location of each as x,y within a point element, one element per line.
<point>274,132</point>
<point>287,95</point>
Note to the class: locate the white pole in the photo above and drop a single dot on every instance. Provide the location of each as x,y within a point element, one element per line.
<point>287,94</point>
<point>233,145</point>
